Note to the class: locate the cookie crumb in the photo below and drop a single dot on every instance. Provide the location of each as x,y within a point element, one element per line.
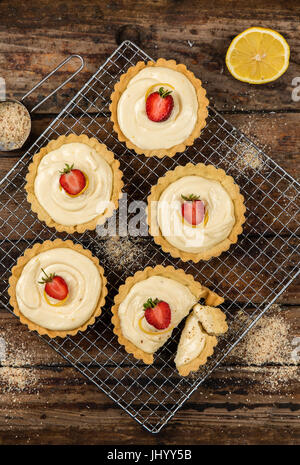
<point>122,251</point>
<point>269,342</point>
<point>15,374</point>
<point>248,158</point>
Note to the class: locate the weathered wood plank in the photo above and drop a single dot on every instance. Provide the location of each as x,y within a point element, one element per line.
<point>282,147</point>
<point>232,276</point>
<point>63,408</point>
<point>197,34</point>
<point>39,353</point>
<point>267,216</point>
<point>273,132</point>
<point>233,406</point>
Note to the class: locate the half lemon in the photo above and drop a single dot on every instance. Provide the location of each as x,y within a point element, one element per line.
<point>258,55</point>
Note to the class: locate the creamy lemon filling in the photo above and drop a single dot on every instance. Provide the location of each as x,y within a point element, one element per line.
<point>212,230</point>
<point>132,116</point>
<point>84,288</point>
<point>192,341</point>
<point>73,210</point>
<point>177,295</point>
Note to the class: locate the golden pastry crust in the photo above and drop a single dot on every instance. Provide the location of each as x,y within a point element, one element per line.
<point>211,327</point>
<point>16,273</point>
<point>194,365</point>
<point>108,156</point>
<point>209,172</point>
<point>212,319</point>
<point>201,114</point>
<point>199,291</point>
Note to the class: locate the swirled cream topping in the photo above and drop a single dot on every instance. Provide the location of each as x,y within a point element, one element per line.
<point>84,287</point>
<point>63,208</point>
<point>192,341</point>
<point>131,312</point>
<point>218,207</point>
<point>132,116</point>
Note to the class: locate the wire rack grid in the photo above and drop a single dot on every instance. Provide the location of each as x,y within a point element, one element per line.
<point>251,275</point>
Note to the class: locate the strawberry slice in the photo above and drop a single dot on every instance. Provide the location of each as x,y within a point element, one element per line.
<point>159,105</point>
<point>193,209</point>
<point>72,180</point>
<point>55,286</point>
<point>157,313</point>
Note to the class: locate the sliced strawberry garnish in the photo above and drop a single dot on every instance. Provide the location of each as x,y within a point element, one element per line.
<point>157,313</point>
<point>159,105</point>
<point>193,209</point>
<point>55,286</point>
<point>72,180</point>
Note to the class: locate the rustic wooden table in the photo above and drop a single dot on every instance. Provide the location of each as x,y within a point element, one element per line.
<point>234,406</point>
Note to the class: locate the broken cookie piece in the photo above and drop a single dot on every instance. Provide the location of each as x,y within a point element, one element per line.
<point>198,338</point>
<point>212,319</point>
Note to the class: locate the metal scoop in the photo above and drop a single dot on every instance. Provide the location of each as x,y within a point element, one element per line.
<point>14,145</point>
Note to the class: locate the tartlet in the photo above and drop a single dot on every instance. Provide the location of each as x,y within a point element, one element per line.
<point>137,287</point>
<point>223,207</point>
<point>86,288</point>
<point>190,108</point>
<point>98,199</point>
<point>199,338</point>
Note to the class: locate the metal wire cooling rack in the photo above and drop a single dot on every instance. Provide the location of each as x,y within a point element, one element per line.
<point>250,276</point>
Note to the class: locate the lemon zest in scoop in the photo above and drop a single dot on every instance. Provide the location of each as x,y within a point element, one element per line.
<point>58,304</point>
<point>153,332</point>
<point>156,85</point>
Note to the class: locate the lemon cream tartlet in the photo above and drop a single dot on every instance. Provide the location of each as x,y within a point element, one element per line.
<point>151,304</point>
<point>158,108</point>
<point>198,337</point>
<point>195,212</point>
<point>57,288</point>
<point>74,183</point>
<point>134,324</point>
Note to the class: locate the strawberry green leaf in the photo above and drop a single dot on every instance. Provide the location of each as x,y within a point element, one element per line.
<point>164,93</point>
<point>47,278</point>
<point>190,198</point>
<point>150,303</point>
<point>67,169</point>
